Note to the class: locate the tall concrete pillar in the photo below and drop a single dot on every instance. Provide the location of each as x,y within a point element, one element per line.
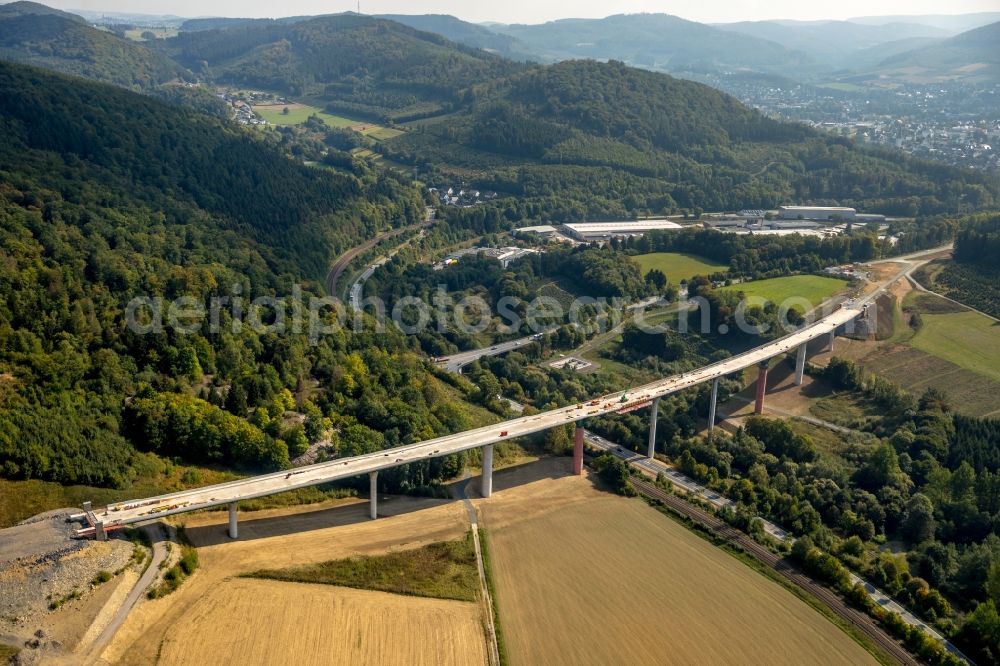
<point>373,493</point>
<point>829,342</point>
<point>712,404</point>
<point>761,387</point>
<point>652,428</point>
<point>487,488</point>
<point>99,532</point>
<point>800,363</point>
<point>86,507</point>
<point>578,451</point>
<point>233,528</point>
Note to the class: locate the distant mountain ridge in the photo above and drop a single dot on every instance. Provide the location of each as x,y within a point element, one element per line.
<point>972,56</point>
<point>655,41</point>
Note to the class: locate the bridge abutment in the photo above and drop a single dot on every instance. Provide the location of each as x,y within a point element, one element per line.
<point>487,488</point>
<point>761,387</point>
<point>233,527</point>
<point>578,451</point>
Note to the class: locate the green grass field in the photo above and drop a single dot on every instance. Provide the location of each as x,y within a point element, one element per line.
<point>678,266</point>
<point>967,339</point>
<point>813,289</point>
<point>298,114</point>
<point>380,133</point>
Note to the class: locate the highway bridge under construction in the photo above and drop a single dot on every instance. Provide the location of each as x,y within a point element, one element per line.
<point>98,522</point>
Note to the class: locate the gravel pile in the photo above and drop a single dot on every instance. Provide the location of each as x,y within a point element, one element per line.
<point>40,563</point>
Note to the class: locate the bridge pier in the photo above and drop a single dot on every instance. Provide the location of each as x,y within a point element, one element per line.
<point>578,451</point>
<point>233,528</point>
<point>713,404</point>
<point>652,427</point>
<point>373,494</point>
<point>800,363</point>
<point>487,488</point>
<point>100,534</point>
<point>761,387</point>
<point>829,342</point>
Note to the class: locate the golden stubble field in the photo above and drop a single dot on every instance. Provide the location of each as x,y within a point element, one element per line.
<point>584,577</point>
<point>248,622</point>
<point>216,618</point>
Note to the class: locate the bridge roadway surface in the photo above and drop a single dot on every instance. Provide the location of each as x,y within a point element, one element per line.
<point>135,511</point>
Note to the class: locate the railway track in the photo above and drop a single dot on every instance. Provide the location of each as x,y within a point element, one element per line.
<point>737,538</point>
<point>342,262</point>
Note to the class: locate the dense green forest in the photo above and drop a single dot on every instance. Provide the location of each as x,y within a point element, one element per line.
<point>106,195</point>
<point>38,35</point>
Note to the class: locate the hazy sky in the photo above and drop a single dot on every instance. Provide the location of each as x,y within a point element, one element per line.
<point>534,11</point>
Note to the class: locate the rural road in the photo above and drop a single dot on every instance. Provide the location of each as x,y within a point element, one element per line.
<point>456,362</point>
<point>158,539</point>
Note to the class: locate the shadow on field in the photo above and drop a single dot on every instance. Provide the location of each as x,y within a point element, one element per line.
<point>253,525</point>
<point>265,525</point>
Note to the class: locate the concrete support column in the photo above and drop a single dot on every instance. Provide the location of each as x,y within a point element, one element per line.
<point>99,533</point>
<point>233,528</point>
<point>487,488</point>
<point>652,428</point>
<point>712,404</point>
<point>761,387</point>
<point>800,363</point>
<point>578,451</point>
<point>829,342</point>
<point>86,507</point>
<point>373,493</point>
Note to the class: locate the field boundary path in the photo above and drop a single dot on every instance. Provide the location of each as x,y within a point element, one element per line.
<point>158,538</point>
<point>491,633</point>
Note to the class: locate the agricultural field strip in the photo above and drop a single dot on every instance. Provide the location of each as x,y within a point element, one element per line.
<point>138,510</point>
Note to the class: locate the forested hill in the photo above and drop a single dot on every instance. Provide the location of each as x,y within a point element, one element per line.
<point>141,150</point>
<point>583,139</point>
<point>643,108</point>
<point>106,195</point>
<point>365,65</point>
<point>35,34</point>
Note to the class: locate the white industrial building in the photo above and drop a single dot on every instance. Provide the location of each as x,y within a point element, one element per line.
<point>816,213</point>
<point>595,231</point>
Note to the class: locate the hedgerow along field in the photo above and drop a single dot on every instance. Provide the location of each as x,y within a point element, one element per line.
<point>678,266</point>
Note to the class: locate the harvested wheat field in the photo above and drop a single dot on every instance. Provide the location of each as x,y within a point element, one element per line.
<point>282,538</point>
<point>584,577</point>
<point>257,622</point>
